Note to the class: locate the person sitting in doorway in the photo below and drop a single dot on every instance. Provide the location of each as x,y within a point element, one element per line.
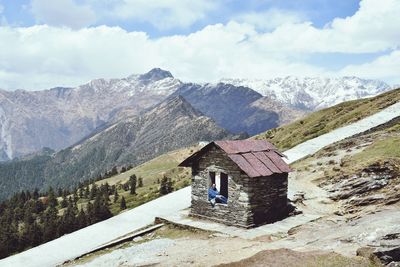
<point>215,197</point>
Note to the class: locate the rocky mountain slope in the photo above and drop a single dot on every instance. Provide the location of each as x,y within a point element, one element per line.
<point>237,108</point>
<point>59,117</point>
<point>172,124</point>
<point>309,93</point>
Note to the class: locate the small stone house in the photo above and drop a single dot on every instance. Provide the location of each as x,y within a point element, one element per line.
<point>251,174</point>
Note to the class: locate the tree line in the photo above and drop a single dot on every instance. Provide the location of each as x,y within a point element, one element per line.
<point>29,219</point>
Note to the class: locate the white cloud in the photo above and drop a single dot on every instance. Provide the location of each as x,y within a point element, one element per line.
<point>44,56</point>
<point>164,14</point>
<point>270,19</point>
<point>373,28</point>
<point>63,13</point>
<point>385,67</point>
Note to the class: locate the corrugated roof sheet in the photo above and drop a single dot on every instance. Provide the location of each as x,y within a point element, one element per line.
<point>255,157</point>
<point>243,146</point>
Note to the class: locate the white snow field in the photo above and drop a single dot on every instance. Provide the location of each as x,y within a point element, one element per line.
<point>312,146</point>
<point>87,239</point>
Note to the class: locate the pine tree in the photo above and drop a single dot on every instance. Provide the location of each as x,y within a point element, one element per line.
<point>100,209</point>
<point>64,202</point>
<point>59,192</point>
<point>35,235</point>
<point>90,217</point>
<point>50,224</point>
<point>123,203</point>
<point>81,192</point>
<point>132,184</point>
<point>93,191</point>
<point>68,222</point>
<point>52,200</point>
<point>140,182</point>
<point>166,186</point>
<point>114,171</point>
<point>86,192</point>
<point>28,218</point>
<point>81,219</point>
<point>116,195</point>
<point>75,196</point>
<point>36,193</point>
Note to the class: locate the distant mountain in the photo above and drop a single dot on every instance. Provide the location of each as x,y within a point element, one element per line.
<point>236,108</point>
<point>172,124</point>
<point>59,117</point>
<point>313,93</point>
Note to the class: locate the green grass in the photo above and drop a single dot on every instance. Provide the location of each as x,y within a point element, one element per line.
<point>151,172</point>
<point>383,149</point>
<point>326,120</point>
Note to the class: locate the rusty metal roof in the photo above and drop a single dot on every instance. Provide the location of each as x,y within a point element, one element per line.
<point>255,157</point>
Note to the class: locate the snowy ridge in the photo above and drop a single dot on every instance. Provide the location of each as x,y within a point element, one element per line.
<point>313,93</point>
<point>87,239</point>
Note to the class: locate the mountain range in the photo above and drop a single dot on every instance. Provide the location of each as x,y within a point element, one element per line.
<point>172,124</point>
<point>313,93</point>
<point>60,117</point>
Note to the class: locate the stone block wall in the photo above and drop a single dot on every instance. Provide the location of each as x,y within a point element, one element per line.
<point>251,201</point>
<point>267,198</point>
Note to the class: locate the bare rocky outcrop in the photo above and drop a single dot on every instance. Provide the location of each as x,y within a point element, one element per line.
<point>363,188</point>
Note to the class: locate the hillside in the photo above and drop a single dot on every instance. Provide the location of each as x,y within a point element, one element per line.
<point>60,117</point>
<point>348,185</point>
<point>237,108</point>
<point>350,189</point>
<point>326,120</point>
<point>312,190</point>
<point>170,125</point>
<point>151,172</point>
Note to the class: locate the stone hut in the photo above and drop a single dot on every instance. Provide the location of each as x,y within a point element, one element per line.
<point>251,174</point>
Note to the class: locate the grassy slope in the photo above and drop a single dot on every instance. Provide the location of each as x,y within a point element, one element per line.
<point>151,172</point>
<point>381,149</point>
<point>326,120</point>
<point>360,152</point>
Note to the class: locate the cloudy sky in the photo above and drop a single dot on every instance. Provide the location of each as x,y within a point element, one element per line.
<point>47,43</point>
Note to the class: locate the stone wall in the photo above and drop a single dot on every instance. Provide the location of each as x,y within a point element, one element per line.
<point>267,197</point>
<point>251,201</point>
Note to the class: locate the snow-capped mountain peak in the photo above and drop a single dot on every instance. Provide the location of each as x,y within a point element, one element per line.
<point>313,93</point>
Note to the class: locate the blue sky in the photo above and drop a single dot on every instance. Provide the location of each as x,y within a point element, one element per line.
<point>320,12</point>
<point>48,43</point>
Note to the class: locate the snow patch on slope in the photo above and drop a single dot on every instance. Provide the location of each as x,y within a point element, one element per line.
<point>6,151</point>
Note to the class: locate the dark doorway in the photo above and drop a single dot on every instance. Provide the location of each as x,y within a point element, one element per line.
<point>224,184</point>
<point>212,178</point>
